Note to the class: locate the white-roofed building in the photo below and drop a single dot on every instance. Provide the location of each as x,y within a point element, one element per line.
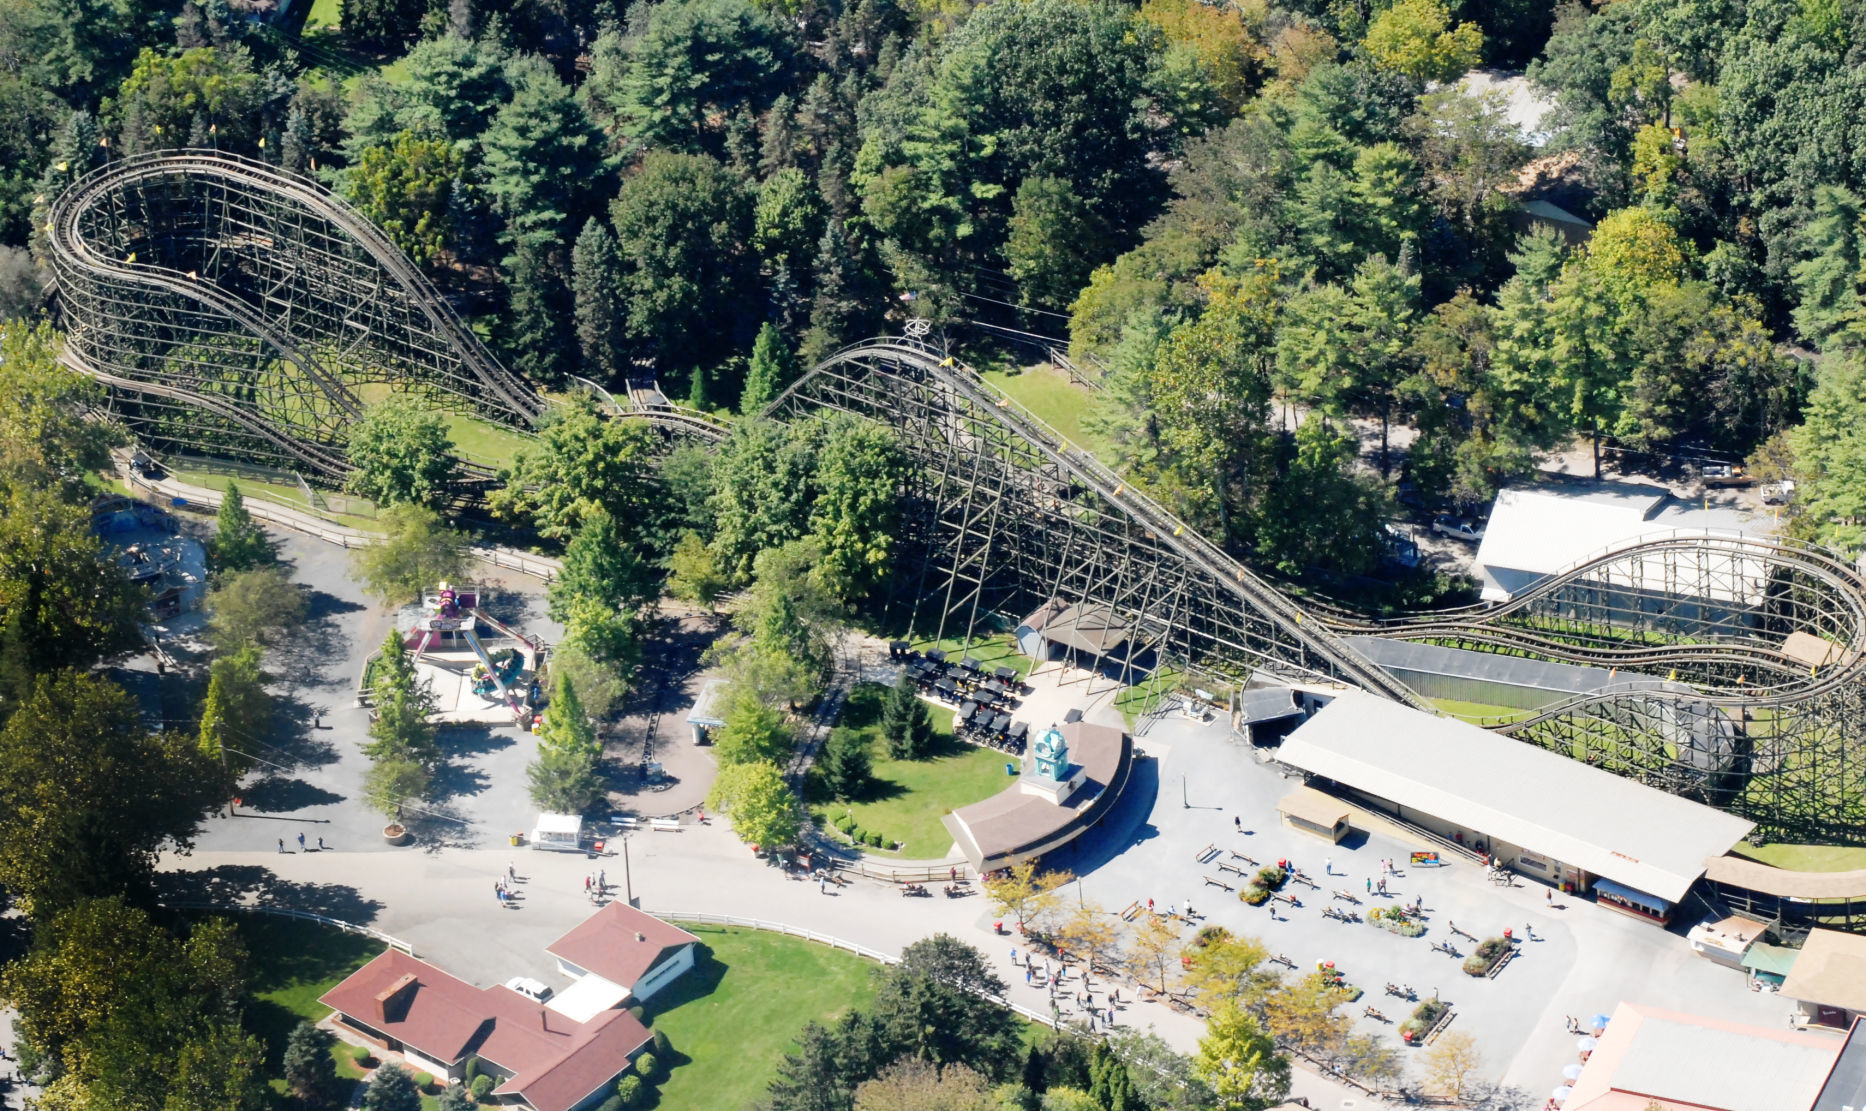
<point>1637,848</point>
<point>1648,1057</point>
<point>1538,531</point>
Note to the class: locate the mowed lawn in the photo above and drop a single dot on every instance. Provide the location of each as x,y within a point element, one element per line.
<point>1807,858</point>
<point>907,798</point>
<point>1057,401</point>
<point>731,1020</point>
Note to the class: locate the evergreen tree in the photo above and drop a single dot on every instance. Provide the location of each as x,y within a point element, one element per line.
<point>240,544</point>
<point>309,1069</point>
<point>537,344</point>
<point>836,307</point>
<point>564,776</point>
<point>772,370</point>
<point>392,1088</point>
<point>602,566</point>
<point>847,763</point>
<point>401,730</point>
<point>596,280</point>
<point>906,724</point>
<point>297,144</point>
<point>778,144</point>
<point>541,155</point>
<point>237,708</point>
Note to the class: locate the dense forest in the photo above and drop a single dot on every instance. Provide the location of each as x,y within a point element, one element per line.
<point>1244,216</point>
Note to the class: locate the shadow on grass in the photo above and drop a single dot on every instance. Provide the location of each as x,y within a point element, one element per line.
<point>702,981</point>
<point>291,964</point>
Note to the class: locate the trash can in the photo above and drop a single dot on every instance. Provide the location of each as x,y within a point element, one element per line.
<point>517,838</point>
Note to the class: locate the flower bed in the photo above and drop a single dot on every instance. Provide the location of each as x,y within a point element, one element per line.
<point>1394,920</point>
<point>1425,1018</point>
<point>1266,882</point>
<point>1486,956</point>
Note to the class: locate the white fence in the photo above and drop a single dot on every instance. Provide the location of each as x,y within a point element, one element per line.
<point>303,915</point>
<point>822,939</point>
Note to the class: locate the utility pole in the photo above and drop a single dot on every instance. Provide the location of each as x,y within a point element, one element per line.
<point>628,881</point>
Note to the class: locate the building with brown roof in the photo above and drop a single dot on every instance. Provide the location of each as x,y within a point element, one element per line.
<point>556,1056</point>
<point>1039,814</point>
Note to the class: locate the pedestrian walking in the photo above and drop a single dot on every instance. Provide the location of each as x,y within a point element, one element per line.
<point>822,885</point>
<point>1548,894</point>
<point>1149,901</point>
<point>1383,885</point>
<point>586,885</point>
<point>1172,910</point>
<point>1013,956</point>
<point>1026,974</point>
<point>602,880</point>
<point>1328,866</point>
<point>1237,823</point>
<point>1370,887</point>
<point>511,873</point>
<point>320,844</point>
<point>1111,1016</point>
<point>281,844</point>
<point>1529,931</point>
<point>952,873</point>
<point>301,841</point>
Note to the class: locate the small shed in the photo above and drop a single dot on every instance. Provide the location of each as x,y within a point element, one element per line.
<point>1311,811</point>
<point>708,711</point>
<point>560,832</point>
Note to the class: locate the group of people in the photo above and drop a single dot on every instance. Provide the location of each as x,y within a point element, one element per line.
<point>504,888</point>
<point>1098,1017</point>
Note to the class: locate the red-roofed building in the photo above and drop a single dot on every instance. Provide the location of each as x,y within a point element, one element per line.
<point>551,1057</point>
<point>632,950</point>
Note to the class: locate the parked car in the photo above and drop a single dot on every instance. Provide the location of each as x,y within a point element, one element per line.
<point>1457,528</point>
<point>1778,493</point>
<point>529,988</point>
<point>1726,474</point>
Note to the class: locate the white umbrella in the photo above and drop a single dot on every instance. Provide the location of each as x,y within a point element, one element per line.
<point>1572,1072</point>
<point>1561,1093</point>
<point>1587,1045</point>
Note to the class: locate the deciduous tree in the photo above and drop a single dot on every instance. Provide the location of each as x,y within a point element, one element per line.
<point>1154,950</point>
<point>1450,1063</point>
<point>1417,38</point>
<point>1026,894</point>
<point>401,453</point>
<point>406,187</point>
<point>1238,1059</point>
<point>88,797</point>
<point>419,552</point>
<point>581,466</point>
<point>760,803</point>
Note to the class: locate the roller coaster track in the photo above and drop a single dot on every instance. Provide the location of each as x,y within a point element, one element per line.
<point>232,287</point>
<point>207,291</point>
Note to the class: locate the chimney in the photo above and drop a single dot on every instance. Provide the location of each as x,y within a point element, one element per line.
<point>387,998</point>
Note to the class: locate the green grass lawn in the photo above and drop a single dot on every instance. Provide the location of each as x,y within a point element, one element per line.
<point>1807,858</point>
<point>1481,712</point>
<point>908,798</point>
<point>1058,402</point>
<point>732,1018</point>
<point>324,13</point>
<point>281,493</point>
<point>484,442</point>
<point>991,651</point>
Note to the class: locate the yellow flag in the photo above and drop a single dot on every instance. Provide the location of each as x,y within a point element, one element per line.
<point>262,143</point>
<point>132,257</point>
<point>63,166</point>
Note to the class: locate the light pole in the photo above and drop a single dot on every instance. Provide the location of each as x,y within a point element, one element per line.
<point>628,880</point>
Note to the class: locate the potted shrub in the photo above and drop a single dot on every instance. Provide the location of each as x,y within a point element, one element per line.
<point>1254,895</point>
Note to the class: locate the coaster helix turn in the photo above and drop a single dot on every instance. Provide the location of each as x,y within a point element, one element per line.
<point>235,309</point>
